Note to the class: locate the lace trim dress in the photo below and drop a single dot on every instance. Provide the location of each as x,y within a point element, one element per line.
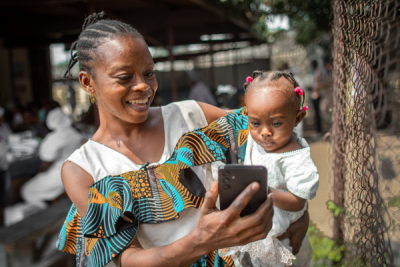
<point>292,171</point>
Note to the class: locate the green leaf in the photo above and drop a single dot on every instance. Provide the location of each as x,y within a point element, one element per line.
<point>332,206</point>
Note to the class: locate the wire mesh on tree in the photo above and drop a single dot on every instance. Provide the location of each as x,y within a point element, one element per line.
<point>366,127</point>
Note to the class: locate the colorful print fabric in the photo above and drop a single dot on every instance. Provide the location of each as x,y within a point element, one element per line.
<point>119,204</point>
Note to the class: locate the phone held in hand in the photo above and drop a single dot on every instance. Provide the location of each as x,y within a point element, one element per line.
<point>234,178</point>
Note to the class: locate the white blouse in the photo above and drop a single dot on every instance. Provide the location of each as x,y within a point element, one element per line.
<point>100,161</point>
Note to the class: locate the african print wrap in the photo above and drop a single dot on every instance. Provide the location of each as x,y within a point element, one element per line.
<point>119,204</point>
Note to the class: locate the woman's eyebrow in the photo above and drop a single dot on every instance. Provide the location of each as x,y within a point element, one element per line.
<point>124,67</point>
<point>117,68</point>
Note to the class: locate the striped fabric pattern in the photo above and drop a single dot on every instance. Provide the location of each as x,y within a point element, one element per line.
<point>119,204</point>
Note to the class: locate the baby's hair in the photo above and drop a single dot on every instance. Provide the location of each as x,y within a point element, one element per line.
<point>263,77</point>
<point>95,29</point>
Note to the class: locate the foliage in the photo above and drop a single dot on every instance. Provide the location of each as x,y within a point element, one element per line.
<point>394,201</point>
<point>310,18</point>
<point>336,209</point>
<point>326,251</point>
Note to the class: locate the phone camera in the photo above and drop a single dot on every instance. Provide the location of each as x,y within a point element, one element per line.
<point>226,174</point>
<point>226,186</point>
<point>226,180</point>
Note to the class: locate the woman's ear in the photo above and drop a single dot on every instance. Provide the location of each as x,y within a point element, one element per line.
<point>86,81</point>
<point>299,117</point>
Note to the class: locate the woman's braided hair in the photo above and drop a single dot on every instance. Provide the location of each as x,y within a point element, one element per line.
<point>95,29</point>
<point>269,76</point>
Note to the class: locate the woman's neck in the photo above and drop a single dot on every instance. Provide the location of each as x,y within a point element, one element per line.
<point>114,129</point>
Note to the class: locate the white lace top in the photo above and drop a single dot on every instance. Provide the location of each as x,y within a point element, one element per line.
<point>291,171</point>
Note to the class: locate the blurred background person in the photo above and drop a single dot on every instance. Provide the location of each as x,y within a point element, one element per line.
<point>53,151</point>
<point>326,102</point>
<point>199,91</point>
<point>316,97</point>
<point>17,117</point>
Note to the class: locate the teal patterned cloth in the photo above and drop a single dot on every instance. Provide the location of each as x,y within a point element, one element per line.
<point>119,204</point>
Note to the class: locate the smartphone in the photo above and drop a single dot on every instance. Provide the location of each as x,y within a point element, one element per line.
<point>234,178</point>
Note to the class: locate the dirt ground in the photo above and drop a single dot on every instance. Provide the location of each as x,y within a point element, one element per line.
<point>317,207</point>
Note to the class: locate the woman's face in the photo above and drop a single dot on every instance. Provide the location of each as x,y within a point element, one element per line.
<point>123,79</point>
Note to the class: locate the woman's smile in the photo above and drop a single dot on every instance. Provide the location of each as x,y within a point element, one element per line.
<point>139,104</point>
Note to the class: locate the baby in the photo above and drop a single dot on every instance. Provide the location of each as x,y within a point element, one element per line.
<point>274,103</point>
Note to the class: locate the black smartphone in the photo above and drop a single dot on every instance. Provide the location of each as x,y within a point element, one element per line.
<point>234,178</point>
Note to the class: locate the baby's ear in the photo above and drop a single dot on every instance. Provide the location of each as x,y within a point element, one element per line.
<point>299,117</point>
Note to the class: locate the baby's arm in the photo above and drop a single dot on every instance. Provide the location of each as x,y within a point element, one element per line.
<point>287,201</point>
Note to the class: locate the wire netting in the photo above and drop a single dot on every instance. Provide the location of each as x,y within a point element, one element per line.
<point>366,128</point>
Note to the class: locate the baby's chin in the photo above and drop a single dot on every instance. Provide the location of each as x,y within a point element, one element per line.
<point>268,146</point>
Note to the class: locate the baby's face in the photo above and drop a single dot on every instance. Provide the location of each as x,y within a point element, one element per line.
<point>271,120</point>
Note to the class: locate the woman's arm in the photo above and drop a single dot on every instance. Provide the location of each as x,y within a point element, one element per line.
<point>296,232</point>
<point>77,183</point>
<point>287,201</point>
<point>216,229</point>
<point>211,112</point>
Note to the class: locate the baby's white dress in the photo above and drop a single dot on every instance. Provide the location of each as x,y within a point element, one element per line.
<point>292,171</point>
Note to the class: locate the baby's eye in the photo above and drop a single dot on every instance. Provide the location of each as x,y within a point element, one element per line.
<point>276,124</point>
<point>255,124</point>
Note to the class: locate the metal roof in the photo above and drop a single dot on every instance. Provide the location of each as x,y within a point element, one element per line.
<point>162,22</point>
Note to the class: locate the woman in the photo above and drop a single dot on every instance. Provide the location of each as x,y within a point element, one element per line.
<point>116,69</point>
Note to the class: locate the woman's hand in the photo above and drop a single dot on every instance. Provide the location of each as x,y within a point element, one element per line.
<point>220,229</point>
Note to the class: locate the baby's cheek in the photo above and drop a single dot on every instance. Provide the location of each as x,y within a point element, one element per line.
<point>254,134</point>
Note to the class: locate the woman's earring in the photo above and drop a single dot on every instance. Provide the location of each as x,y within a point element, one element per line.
<point>92,98</point>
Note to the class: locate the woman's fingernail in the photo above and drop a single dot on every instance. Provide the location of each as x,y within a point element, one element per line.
<point>213,186</point>
<point>254,186</point>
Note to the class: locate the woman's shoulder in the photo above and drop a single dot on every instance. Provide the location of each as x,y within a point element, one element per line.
<point>79,152</point>
<point>79,156</point>
<point>184,105</point>
<point>187,111</point>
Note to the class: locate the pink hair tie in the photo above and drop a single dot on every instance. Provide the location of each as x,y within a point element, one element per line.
<point>299,91</point>
<point>305,108</point>
<point>249,79</point>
